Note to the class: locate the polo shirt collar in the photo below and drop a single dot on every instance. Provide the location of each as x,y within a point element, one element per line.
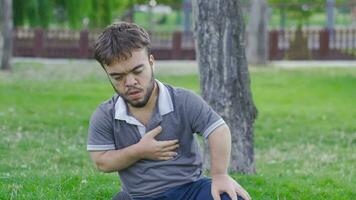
<point>165,105</point>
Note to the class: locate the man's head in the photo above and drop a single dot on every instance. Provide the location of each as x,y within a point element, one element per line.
<point>118,41</point>
<point>123,51</point>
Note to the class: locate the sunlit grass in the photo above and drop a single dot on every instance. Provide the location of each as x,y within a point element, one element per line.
<point>305,135</point>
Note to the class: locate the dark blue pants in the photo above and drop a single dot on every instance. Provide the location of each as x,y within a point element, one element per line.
<point>198,190</point>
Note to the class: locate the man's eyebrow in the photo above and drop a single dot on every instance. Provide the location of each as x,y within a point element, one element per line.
<point>119,74</point>
<point>138,66</point>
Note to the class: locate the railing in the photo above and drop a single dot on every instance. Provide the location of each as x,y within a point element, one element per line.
<point>313,44</point>
<point>283,44</point>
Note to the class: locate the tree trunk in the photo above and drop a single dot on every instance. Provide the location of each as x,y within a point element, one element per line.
<point>6,18</point>
<point>187,10</point>
<point>1,28</point>
<point>330,5</point>
<point>257,33</point>
<point>354,15</point>
<point>224,78</point>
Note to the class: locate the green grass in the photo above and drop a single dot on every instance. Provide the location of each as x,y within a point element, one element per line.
<point>305,135</point>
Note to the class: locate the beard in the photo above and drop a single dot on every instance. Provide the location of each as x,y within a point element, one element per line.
<point>143,102</point>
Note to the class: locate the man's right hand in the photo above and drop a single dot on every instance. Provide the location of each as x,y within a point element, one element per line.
<point>151,149</point>
<point>147,148</point>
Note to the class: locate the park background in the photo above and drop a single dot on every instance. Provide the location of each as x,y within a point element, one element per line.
<point>305,134</point>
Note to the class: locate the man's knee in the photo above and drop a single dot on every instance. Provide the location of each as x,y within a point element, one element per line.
<point>122,196</point>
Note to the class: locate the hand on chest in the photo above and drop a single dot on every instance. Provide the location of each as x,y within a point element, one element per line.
<point>172,128</point>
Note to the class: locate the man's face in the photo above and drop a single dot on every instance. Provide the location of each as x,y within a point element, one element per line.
<point>133,78</point>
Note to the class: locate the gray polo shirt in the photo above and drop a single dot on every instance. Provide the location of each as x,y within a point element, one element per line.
<point>180,113</point>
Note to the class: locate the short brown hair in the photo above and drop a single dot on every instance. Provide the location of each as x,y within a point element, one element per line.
<point>118,40</point>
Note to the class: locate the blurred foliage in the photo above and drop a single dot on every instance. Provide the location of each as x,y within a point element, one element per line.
<point>79,14</point>
<point>303,9</point>
<point>75,14</point>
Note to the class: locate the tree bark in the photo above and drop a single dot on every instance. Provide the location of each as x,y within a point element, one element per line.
<point>7,24</point>
<point>257,49</point>
<point>224,78</point>
<point>1,27</point>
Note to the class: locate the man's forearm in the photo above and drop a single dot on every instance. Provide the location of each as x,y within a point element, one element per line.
<point>116,160</point>
<point>220,149</point>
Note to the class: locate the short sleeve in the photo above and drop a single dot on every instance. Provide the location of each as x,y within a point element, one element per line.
<point>202,117</point>
<point>100,136</point>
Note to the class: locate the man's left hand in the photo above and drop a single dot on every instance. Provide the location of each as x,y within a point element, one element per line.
<point>224,183</point>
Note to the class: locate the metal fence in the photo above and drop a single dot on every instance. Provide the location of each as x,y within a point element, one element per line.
<point>317,44</point>
<point>283,44</point>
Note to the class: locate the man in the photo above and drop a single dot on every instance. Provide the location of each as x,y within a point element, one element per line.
<point>146,131</point>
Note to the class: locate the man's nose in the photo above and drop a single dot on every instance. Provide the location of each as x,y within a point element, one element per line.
<point>130,80</point>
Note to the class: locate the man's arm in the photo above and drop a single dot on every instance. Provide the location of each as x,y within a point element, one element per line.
<point>115,160</point>
<point>147,148</point>
<point>220,149</point>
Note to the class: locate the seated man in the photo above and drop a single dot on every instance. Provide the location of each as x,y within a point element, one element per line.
<point>145,132</point>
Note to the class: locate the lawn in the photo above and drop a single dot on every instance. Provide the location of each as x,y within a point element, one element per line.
<point>305,135</point>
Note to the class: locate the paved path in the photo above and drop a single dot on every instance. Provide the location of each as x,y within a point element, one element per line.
<point>314,63</point>
<point>189,67</point>
<point>172,67</point>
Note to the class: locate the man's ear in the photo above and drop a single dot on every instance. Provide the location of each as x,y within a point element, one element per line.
<point>152,62</point>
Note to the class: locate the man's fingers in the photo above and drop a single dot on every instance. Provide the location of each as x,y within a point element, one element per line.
<point>169,154</point>
<point>154,132</point>
<point>170,148</point>
<point>168,143</point>
<point>232,194</point>
<point>241,192</point>
<point>216,195</point>
<point>165,158</point>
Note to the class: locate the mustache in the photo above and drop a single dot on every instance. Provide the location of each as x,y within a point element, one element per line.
<point>133,89</point>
